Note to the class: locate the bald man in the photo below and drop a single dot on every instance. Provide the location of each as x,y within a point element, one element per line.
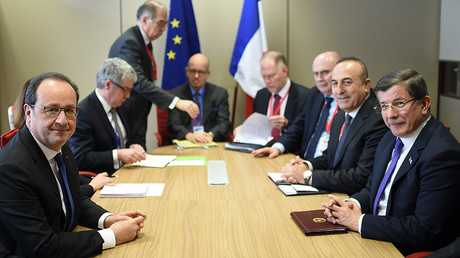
<point>309,133</point>
<point>212,124</point>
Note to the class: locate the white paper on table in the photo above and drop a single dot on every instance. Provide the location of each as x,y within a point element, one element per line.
<point>155,161</point>
<point>256,129</point>
<point>132,190</point>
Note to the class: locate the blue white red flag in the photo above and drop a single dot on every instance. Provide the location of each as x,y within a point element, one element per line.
<point>251,43</point>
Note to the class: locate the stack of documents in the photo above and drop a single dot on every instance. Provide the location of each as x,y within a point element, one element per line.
<point>132,190</point>
<point>155,161</point>
<point>186,144</point>
<point>255,130</point>
<point>293,189</point>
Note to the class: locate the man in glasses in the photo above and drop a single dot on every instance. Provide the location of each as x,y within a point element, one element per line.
<point>135,47</point>
<point>40,202</point>
<point>408,197</point>
<point>103,141</point>
<point>212,124</point>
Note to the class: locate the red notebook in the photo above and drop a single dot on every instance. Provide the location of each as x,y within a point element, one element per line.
<point>314,222</point>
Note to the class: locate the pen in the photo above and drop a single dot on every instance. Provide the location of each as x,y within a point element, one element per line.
<point>113,176</point>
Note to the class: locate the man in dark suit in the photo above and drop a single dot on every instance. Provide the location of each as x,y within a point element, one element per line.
<point>102,140</point>
<point>135,47</point>
<point>212,124</point>
<point>40,202</point>
<point>320,106</point>
<point>281,99</point>
<point>347,162</point>
<point>408,198</point>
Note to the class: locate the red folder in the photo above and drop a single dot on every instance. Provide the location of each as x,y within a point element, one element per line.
<point>314,222</point>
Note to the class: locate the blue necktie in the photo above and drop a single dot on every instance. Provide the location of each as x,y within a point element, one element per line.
<point>320,126</point>
<point>346,126</point>
<point>68,201</point>
<point>391,169</point>
<point>197,121</point>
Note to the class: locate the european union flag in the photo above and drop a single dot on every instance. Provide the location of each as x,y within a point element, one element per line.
<point>182,42</point>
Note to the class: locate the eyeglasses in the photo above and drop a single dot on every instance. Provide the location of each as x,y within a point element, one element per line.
<point>124,89</point>
<point>162,23</point>
<point>199,72</point>
<point>396,106</point>
<point>55,111</point>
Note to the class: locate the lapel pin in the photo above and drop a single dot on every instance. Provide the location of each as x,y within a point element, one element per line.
<point>410,160</point>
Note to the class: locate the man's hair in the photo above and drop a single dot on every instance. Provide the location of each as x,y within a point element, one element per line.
<point>413,82</point>
<point>148,9</point>
<point>364,74</point>
<point>115,69</point>
<point>31,92</point>
<point>277,57</point>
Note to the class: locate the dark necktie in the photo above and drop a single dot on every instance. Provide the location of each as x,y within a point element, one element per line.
<point>320,127</point>
<point>342,137</point>
<point>391,168</point>
<point>197,121</point>
<point>119,134</point>
<point>152,59</point>
<point>276,111</point>
<point>67,195</point>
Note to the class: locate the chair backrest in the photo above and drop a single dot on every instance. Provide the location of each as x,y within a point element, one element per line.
<point>163,135</point>
<point>10,116</point>
<point>6,137</point>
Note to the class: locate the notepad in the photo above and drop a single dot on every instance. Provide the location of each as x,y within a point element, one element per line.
<point>189,161</point>
<point>155,161</point>
<point>293,189</point>
<point>186,144</point>
<point>124,190</point>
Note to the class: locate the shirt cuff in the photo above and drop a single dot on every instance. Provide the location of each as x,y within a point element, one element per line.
<point>173,103</point>
<point>109,238</point>
<point>360,223</point>
<point>100,222</point>
<point>279,146</point>
<point>310,166</point>
<point>116,163</point>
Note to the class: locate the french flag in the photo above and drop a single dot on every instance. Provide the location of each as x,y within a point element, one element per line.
<point>250,45</point>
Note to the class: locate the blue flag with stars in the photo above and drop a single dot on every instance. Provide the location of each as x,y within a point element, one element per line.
<point>182,42</point>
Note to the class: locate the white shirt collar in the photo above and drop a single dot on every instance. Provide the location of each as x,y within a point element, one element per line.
<point>49,153</point>
<point>409,139</point>
<point>284,90</point>
<point>144,36</point>
<point>104,102</point>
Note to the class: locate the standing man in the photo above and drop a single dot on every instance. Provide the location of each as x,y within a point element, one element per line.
<point>355,132</point>
<point>408,198</point>
<point>102,141</point>
<point>40,202</point>
<point>281,99</point>
<point>309,133</point>
<point>212,124</point>
<point>135,47</point>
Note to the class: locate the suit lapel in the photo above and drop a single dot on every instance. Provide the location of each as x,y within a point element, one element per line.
<point>144,55</point>
<point>102,117</point>
<point>207,103</point>
<point>381,162</point>
<point>292,99</point>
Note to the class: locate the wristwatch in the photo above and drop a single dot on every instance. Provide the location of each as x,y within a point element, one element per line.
<point>307,175</point>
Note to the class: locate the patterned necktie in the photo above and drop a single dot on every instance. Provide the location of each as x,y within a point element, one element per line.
<point>152,59</point>
<point>119,134</point>
<point>276,111</point>
<point>391,168</point>
<point>67,195</point>
<point>197,121</point>
<point>320,127</point>
<point>342,137</point>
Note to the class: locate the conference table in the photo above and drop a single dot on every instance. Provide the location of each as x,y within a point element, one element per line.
<point>249,217</point>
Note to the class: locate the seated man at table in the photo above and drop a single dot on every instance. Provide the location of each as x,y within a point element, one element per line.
<point>408,200</point>
<point>281,99</point>
<point>309,133</point>
<point>355,132</point>
<point>212,123</point>
<point>102,140</point>
<point>40,202</point>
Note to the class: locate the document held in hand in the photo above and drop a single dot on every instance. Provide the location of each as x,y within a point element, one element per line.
<point>314,223</point>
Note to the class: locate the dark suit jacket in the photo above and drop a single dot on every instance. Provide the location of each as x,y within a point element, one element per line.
<point>298,95</point>
<point>297,136</point>
<point>94,138</point>
<point>130,46</point>
<point>215,113</point>
<point>421,211</point>
<point>31,216</point>
<point>356,157</point>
